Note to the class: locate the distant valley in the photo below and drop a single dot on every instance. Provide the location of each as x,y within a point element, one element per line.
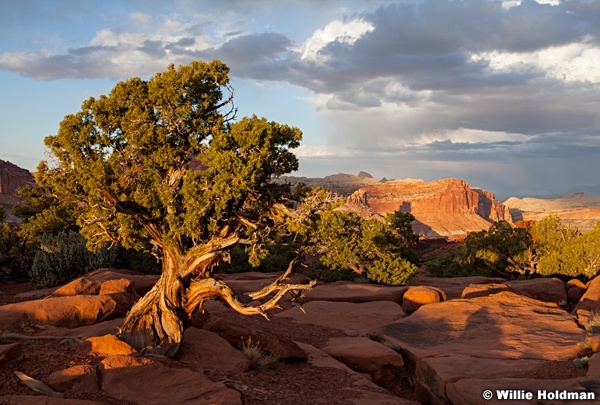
<point>448,208</point>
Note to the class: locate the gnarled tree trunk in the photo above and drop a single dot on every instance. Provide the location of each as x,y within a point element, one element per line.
<point>156,322</point>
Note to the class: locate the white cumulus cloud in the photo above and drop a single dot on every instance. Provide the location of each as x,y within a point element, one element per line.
<point>347,32</point>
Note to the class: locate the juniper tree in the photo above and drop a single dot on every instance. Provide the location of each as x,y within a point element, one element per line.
<point>162,163</point>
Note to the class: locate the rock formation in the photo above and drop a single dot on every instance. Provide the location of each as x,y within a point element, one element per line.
<point>12,177</point>
<point>576,210</point>
<point>342,184</point>
<point>441,208</point>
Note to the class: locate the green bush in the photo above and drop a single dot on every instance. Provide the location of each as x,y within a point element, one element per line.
<point>64,256</point>
<point>378,250</point>
<point>566,252</point>
<point>501,250</point>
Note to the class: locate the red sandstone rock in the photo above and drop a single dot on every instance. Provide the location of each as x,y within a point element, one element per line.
<point>352,292</point>
<point>69,312</point>
<point>107,345</point>
<point>543,289</point>
<point>441,208</point>
<point>350,317</point>
<point>84,332</point>
<point>453,287</point>
<point>482,290</point>
<point>91,283</point>
<point>594,342</point>
<point>433,374</point>
<point>75,380</point>
<point>12,177</point>
<point>364,392</point>
<point>366,356</point>
<point>575,290</point>
<point>282,347</point>
<point>148,382</point>
<point>461,339</point>
<point>206,351</point>
<point>123,292</point>
<point>417,296</point>
<point>589,302</point>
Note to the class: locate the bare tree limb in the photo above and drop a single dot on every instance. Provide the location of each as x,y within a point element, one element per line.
<point>274,286</point>
<point>207,289</point>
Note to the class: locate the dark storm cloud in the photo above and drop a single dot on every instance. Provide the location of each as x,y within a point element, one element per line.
<point>257,56</point>
<point>245,50</point>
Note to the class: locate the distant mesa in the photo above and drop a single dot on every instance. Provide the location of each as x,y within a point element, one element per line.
<point>341,183</point>
<point>448,207</point>
<point>442,208</point>
<point>578,210</point>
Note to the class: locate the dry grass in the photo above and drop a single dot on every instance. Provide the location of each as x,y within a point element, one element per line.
<point>258,357</point>
<point>593,324</point>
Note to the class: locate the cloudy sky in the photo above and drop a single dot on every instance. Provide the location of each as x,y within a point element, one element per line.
<point>504,94</point>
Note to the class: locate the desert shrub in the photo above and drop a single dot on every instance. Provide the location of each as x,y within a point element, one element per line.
<point>581,362</point>
<point>566,252</point>
<point>378,250</point>
<point>593,323</point>
<point>501,250</point>
<point>64,256</point>
<point>320,272</point>
<point>259,359</point>
<point>451,265</point>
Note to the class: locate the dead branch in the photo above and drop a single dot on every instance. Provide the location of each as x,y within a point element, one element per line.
<point>17,336</point>
<point>211,289</point>
<point>266,290</point>
<point>37,385</point>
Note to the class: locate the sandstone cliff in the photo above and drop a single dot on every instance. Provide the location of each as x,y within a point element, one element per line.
<point>11,178</point>
<point>579,210</point>
<point>441,208</point>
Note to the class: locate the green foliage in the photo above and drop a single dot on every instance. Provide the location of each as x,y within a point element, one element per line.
<point>137,260</point>
<point>160,163</point>
<point>370,247</point>
<point>566,252</point>
<point>65,256</point>
<point>492,252</point>
<point>550,249</point>
<point>42,214</point>
<point>319,271</point>
<point>8,239</point>
<point>581,362</point>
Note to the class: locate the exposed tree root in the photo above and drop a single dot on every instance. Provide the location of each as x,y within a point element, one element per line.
<point>156,322</point>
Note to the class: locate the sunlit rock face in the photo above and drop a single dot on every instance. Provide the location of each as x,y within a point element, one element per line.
<point>442,208</point>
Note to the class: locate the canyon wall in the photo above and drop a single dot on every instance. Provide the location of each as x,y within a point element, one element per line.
<point>12,177</point>
<point>441,208</point>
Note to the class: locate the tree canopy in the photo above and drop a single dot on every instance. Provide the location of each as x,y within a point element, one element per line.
<point>129,158</point>
<point>161,163</point>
